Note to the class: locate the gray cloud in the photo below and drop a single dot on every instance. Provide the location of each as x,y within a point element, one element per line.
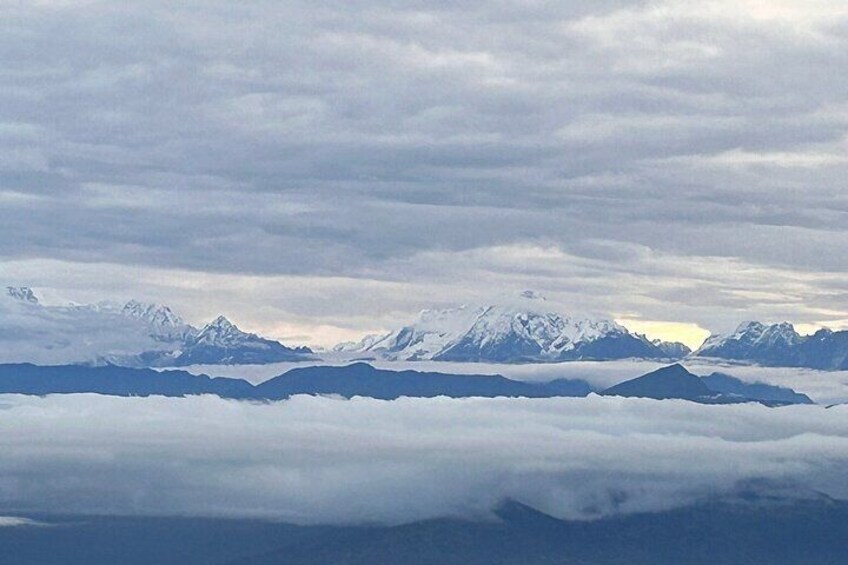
<point>318,460</point>
<point>285,140</point>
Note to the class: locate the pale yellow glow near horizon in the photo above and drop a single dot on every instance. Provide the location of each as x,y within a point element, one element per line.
<point>326,336</point>
<point>691,335</point>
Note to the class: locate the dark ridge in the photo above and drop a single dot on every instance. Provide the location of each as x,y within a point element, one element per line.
<point>115,381</point>
<point>359,379</point>
<point>673,381</point>
<point>775,395</point>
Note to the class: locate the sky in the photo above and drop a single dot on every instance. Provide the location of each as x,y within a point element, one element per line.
<point>320,171</point>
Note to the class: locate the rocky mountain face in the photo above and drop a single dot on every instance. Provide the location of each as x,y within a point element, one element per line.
<point>222,343</point>
<point>779,345</point>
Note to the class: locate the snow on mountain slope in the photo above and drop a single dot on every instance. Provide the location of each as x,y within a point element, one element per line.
<point>221,342</point>
<point>754,335</point>
<point>156,314</point>
<point>779,345</point>
<point>522,331</point>
<point>431,333</point>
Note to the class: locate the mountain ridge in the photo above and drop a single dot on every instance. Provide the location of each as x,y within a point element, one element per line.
<point>676,382</point>
<point>364,380</point>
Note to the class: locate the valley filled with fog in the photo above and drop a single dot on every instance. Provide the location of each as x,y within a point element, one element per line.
<point>315,460</point>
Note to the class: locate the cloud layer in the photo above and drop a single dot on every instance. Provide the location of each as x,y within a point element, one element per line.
<point>321,460</point>
<point>654,160</point>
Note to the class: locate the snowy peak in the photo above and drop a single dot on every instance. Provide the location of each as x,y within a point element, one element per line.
<point>222,332</point>
<point>512,333</point>
<point>221,323</point>
<point>222,342</point>
<point>782,334</point>
<point>759,333</point>
<point>156,314</point>
<point>750,337</point>
<point>22,293</point>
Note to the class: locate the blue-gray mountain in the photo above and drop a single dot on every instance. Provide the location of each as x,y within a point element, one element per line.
<point>779,345</point>
<point>675,381</point>
<point>222,343</point>
<point>361,379</point>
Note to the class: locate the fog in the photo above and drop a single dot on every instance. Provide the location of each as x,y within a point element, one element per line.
<point>324,460</point>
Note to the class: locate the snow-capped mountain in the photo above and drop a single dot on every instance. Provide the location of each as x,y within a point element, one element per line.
<point>133,334</point>
<point>520,332</point>
<point>779,345</point>
<point>221,333</point>
<point>156,314</point>
<point>221,342</point>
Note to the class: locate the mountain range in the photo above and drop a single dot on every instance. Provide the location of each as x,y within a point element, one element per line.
<point>528,333</point>
<point>132,334</point>
<point>523,332</point>
<point>780,345</point>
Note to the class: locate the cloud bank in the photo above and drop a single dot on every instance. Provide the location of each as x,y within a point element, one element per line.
<point>322,460</point>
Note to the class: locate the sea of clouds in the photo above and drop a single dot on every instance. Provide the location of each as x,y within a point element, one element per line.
<point>325,460</point>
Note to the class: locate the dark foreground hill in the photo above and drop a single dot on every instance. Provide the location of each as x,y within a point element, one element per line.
<point>115,381</point>
<point>359,379</point>
<point>714,534</point>
<point>675,381</point>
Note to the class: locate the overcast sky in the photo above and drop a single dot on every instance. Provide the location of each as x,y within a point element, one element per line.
<point>320,170</point>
